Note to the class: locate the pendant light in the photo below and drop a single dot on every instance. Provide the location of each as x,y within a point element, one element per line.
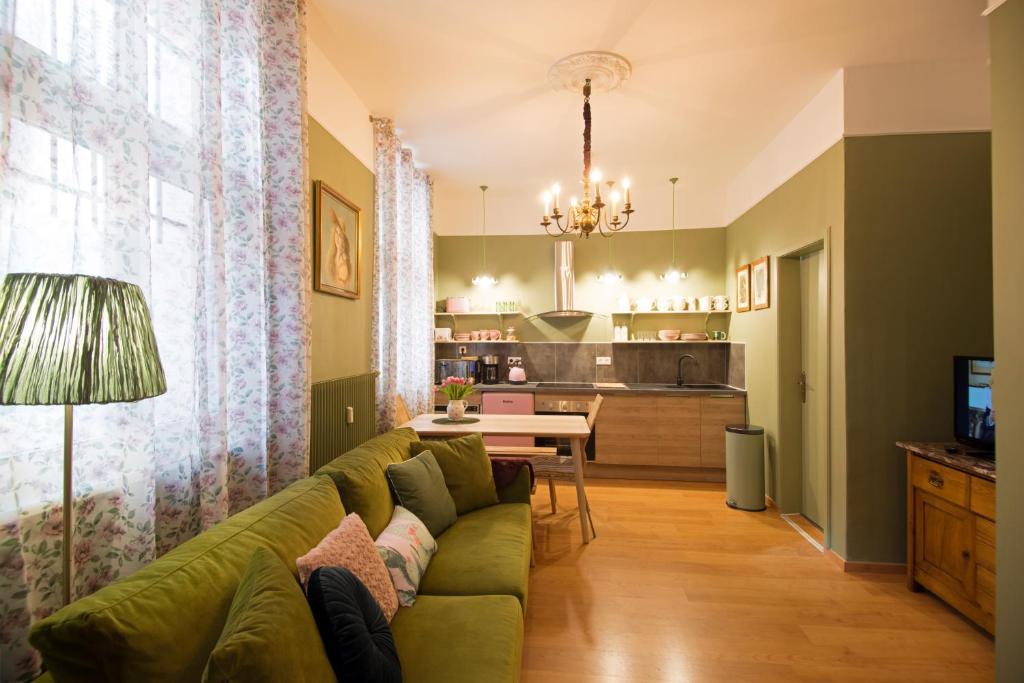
<point>673,274</point>
<point>483,279</point>
<point>610,277</point>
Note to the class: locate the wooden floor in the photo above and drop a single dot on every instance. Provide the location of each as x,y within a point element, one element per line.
<point>678,587</point>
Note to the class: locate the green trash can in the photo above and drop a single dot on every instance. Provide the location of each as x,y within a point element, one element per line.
<point>744,467</point>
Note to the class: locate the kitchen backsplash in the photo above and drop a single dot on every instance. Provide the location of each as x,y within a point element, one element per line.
<point>717,363</point>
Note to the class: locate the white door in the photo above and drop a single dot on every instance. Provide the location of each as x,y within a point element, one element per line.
<point>814,359</point>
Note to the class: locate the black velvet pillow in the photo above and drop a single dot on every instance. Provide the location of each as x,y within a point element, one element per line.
<point>355,633</point>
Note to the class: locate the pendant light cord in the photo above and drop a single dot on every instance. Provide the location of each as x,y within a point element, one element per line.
<point>483,203</point>
<point>673,181</point>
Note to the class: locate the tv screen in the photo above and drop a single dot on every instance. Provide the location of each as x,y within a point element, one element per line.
<point>972,397</point>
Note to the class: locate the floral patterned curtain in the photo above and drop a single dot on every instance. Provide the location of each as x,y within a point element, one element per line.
<point>160,142</point>
<point>403,279</point>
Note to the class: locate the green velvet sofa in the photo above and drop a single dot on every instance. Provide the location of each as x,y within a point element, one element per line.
<point>162,622</point>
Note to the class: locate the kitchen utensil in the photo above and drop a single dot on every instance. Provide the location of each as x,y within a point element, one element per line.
<point>664,303</point>
<point>721,303</point>
<point>516,375</point>
<point>510,333</point>
<point>668,335</point>
<point>679,303</point>
<point>457,304</point>
<point>495,335</point>
<point>704,303</point>
<point>490,369</point>
<point>443,334</point>
<point>694,336</point>
<point>644,305</point>
<point>719,335</point>
<point>690,303</point>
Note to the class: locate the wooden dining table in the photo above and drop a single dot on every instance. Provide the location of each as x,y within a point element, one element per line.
<point>571,427</point>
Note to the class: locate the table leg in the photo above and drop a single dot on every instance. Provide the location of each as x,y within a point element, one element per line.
<point>581,495</point>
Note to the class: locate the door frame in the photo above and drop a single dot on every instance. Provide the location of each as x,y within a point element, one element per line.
<point>790,440</point>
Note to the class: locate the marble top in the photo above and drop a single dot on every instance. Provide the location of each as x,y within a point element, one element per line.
<point>962,459</point>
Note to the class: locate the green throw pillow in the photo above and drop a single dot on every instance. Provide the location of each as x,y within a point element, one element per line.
<point>418,484</point>
<point>466,468</point>
<point>270,634</point>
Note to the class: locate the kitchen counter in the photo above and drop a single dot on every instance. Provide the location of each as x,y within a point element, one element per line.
<point>962,460</point>
<point>631,388</point>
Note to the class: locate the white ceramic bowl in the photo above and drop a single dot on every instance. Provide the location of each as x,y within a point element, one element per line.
<point>668,335</point>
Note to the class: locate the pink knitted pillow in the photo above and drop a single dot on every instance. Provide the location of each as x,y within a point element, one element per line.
<point>350,546</point>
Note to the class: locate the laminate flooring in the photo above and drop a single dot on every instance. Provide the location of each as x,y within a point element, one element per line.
<point>679,587</point>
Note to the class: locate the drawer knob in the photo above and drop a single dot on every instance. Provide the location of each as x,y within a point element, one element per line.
<point>936,480</point>
<point>966,554</point>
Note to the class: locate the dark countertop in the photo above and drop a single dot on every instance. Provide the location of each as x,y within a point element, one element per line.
<point>962,460</point>
<point>532,388</point>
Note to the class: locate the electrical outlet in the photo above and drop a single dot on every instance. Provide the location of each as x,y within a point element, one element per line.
<point>462,351</point>
<point>515,361</point>
<point>604,360</point>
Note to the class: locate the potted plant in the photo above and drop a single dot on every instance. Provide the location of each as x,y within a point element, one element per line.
<point>457,389</point>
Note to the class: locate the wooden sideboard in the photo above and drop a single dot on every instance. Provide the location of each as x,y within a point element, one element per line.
<point>951,529</point>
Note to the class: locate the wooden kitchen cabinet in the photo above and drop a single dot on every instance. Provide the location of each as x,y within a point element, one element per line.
<point>951,534</point>
<point>627,431</point>
<point>717,411</point>
<point>678,429</point>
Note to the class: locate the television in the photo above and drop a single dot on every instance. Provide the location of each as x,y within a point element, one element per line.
<point>973,415</point>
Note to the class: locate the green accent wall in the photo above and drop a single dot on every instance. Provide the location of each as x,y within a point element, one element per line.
<point>341,327</point>
<point>918,292</point>
<point>524,267</point>
<point>1006,38</point>
<point>806,209</point>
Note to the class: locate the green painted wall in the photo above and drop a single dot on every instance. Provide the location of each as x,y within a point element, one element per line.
<point>918,292</point>
<point>1006,37</point>
<point>524,267</point>
<point>806,209</point>
<point>341,327</point>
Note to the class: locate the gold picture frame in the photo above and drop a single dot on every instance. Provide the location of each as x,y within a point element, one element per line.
<point>760,283</point>
<point>337,243</point>
<point>743,288</point>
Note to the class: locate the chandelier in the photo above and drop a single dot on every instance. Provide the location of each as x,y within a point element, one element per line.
<point>592,212</point>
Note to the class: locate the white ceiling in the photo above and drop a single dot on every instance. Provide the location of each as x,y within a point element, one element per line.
<point>713,82</point>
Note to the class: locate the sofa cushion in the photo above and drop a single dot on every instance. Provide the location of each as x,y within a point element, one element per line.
<point>359,476</point>
<point>418,485</point>
<point>162,622</point>
<point>350,546</point>
<point>466,469</point>
<point>354,631</point>
<point>486,552</point>
<point>270,634</point>
<point>406,548</point>
<point>460,639</point>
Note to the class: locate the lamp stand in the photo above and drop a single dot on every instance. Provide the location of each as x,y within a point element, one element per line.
<point>68,502</point>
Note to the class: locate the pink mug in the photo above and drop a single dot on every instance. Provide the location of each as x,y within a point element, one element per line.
<point>475,335</point>
<point>495,335</point>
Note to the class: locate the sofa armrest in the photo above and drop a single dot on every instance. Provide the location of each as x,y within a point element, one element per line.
<point>518,491</point>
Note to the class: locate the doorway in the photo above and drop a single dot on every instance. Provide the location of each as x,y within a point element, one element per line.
<point>803,294</point>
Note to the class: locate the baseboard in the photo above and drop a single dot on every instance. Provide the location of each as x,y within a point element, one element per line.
<point>854,567</point>
<point>651,473</point>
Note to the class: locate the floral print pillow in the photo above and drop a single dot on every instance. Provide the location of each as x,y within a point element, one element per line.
<point>406,547</point>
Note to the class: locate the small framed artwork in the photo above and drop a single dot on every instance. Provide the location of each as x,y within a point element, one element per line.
<point>743,288</point>
<point>337,243</point>
<point>760,284</point>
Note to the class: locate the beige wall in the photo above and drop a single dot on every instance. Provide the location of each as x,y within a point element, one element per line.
<point>341,327</point>
<point>524,267</point>
<point>1006,31</point>
<point>918,292</point>
<point>807,208</point>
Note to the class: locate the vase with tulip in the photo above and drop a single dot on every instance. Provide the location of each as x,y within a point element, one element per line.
<point>457,390</point>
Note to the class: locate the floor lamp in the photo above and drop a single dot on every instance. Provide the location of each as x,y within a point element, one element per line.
<point>72,340</point>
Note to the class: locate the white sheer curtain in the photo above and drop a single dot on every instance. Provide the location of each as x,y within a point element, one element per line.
<point>160,142</point>
<point>403,279</point>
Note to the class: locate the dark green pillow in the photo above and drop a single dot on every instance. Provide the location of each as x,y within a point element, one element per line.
<point>418,485</point>
<point>466,468</point>
<point>270,634</point>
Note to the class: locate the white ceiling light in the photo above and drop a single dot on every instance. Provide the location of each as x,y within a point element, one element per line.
<point>673,274</point>
<point>484,279</point>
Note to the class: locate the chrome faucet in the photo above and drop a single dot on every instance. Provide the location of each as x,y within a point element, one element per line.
<point>679,368</point>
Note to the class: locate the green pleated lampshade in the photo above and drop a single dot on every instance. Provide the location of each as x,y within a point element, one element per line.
<point>74,339</point>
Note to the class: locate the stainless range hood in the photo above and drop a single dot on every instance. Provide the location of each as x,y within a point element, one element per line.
<point>565,284</point>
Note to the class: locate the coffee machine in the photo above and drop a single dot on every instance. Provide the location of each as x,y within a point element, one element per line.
<point>490,369</point>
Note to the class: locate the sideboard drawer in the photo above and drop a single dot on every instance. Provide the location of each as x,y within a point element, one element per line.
<point>983,497</point>
<point>940,481</point>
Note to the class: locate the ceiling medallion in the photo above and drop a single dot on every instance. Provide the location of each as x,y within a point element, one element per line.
<point>586,72</point>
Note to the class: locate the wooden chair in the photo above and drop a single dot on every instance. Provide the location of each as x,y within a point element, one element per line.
<point>554,467</point>
<point>401,411</point>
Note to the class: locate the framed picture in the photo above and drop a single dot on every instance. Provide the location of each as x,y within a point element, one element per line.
<point>743,288</point>
<point>760,284</point>
<point>337,243</point>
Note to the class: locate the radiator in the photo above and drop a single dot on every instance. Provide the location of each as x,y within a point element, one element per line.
<point>334,403</point>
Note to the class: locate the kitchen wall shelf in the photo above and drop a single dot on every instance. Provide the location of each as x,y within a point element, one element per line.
<point>477,341</point>
<point>632,313</point>
<point>477,314</point>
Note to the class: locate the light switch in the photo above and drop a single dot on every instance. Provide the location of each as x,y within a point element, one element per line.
<point>604,360</point>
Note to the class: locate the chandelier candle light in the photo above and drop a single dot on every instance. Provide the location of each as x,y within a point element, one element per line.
<point>483,279</point>
<point>592,213</point>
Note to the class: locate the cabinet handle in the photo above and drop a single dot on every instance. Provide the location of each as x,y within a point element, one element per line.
<point>936,480</point>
